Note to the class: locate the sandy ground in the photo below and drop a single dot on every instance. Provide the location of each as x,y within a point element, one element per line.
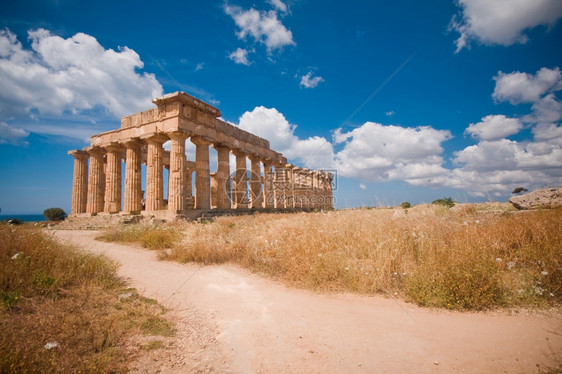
<point>232,321</point>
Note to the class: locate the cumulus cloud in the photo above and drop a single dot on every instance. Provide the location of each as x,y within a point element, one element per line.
<point>495,164</point>
<point>263,27</point>
<point>520,87</point>
<point>269,123</point>
<point>240,56</point>
<point>308,81</point>
<point>70,75</point>
<point>12,135</point>
<point>380,153</point>
<point>495,167</point>
<point>538,89</point>
<point>502,22</point>
<point>494,127</point>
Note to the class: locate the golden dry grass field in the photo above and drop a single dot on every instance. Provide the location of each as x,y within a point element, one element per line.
<point>470,257</point>
<point>64,310</point>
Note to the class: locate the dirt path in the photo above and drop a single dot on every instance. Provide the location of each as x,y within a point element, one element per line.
<point>232,321</point>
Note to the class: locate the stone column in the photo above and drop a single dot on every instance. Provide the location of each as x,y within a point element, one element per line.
<point>255,183</point>
<point>80,181</point>
<point>279,187</point>
<point>96,181</point>
<point>177,179</point>
<point>289,187</point>
<point>214,190</point>
<point>155,173</point>
<point>297,177</point>
<point>189,189</point>
<point>240,181</point>
<point>322,189</point>
<point>307,181</point>
<point>314,199</point>
<point>202,173</point>
<point>330,204</point>
<point>133,177</point>
<point>223,172</point>
<point>112,203</point>
<point>268,194</point>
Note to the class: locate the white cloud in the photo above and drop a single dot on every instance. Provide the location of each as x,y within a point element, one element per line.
<point>495,165</point>
<point>494,127</point>
<point>279,5</point>
<point>520,87</point>
<point>380,153</point>
<point>74,74</point>
<point>502,22</point>
<point>538,89</point>
<point>362,186</point>
<point>390,113</point>
<point>11,135</point>
<point>240,56</point>
<point>308,81</point>
<point>199,66</point>
<point>314,152</point>
<point>263,27</point>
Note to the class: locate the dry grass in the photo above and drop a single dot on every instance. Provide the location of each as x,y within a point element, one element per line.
<point>465,258</point>
<point>151,237</point>
<point>63,310</point>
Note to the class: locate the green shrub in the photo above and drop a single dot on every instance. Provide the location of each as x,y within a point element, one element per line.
<point>54,214</point>
<point>446,201</point>
<point>405,205</point>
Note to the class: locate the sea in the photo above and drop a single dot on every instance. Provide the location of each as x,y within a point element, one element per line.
<point>23,217</point>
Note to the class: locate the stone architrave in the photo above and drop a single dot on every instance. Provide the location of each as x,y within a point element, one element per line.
<point>133,177</point>
<point>177,178</point>
<point>268,190</point>
<point>96,181</point>
<point>80,181</point>
<point>155,173</point>
<point>202,173</point>
<point>112,200</point>
<point>222,175</point>
<point>240,181</point>
<point>255,183</point>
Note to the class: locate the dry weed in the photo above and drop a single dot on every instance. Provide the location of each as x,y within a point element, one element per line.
<point>63,310</point>
<point>434,256</point>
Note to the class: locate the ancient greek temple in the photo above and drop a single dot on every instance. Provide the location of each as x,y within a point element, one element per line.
<point>269,184</point>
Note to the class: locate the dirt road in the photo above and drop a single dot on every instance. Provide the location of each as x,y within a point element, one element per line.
<point>232,321</point>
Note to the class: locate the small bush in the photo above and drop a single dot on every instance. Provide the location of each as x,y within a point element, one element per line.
<point>405,205</point>
<point>519,190</point>
<point>54,214</point>
<point>12,221</point>
<point>447,201</point>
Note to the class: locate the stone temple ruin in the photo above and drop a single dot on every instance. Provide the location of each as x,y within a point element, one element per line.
<point>97,185</point>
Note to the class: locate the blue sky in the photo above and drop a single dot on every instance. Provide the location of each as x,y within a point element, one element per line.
<point>406,100</point>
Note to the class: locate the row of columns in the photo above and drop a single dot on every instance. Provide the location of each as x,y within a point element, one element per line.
<point>97,186</point>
